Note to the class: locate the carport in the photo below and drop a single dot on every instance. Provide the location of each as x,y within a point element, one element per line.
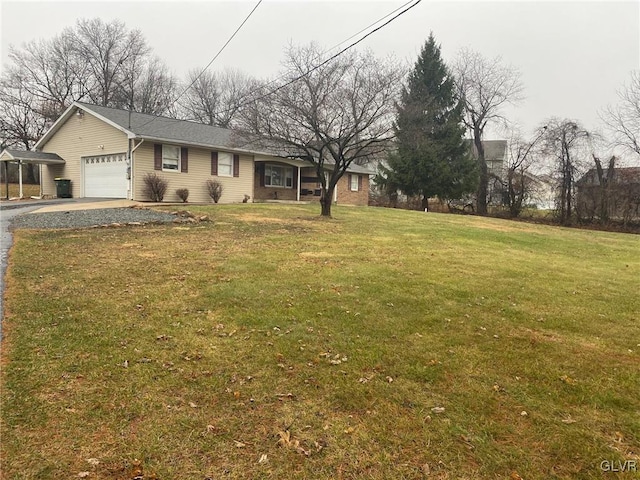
<point>21,157</point>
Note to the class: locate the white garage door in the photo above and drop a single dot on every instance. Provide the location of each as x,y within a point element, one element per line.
<point>105,176</point>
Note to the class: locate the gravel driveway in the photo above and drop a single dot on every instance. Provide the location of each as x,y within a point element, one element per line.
<point>88,218</point>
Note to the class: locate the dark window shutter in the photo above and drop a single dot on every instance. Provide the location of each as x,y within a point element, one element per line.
<point>359,183</point>
<point>214,163</point>
<point>294,174</point>
<point>261,172</point>
<point>184,159</point>
<point>236,165</point>
<point>349,183</point>
<point>157,156</point>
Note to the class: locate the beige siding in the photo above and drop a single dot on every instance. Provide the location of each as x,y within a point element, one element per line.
<point>234,188</point>
<point>76,138</point>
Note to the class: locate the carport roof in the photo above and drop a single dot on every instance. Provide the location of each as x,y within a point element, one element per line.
<point>25,156</point>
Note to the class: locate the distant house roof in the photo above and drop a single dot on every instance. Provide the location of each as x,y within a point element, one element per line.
<point>26,156</point>
<point>493,149</point>
<point>620,175</point>
<point>169,130</point>
<point>353,168</point>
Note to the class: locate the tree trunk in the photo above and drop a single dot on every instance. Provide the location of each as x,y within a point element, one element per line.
<point>481,201</point>
<point>325,203</point>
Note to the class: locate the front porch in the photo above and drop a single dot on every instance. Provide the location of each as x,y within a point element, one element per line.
<point>285,180</point>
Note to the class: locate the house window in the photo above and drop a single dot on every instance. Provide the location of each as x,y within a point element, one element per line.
<point>277,176</point>
<point>170,158</point>
<point>354,183</point>
<point>225,164</point>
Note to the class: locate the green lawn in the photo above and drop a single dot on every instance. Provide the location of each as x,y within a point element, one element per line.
<point>271,343</point>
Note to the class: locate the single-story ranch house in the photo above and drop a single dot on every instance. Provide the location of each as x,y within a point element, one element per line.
<point>107,152</point>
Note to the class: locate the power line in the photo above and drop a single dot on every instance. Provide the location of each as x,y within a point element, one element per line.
<point>369,26</point>
<point>333,57</point>
<point>212,60</point>
<point>410,3</point>
<point>335,46</point>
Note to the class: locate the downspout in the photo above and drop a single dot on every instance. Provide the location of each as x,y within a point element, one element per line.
<point>131,152</point>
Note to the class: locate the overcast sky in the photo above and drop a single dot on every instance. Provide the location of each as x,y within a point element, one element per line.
<point>573,55</point>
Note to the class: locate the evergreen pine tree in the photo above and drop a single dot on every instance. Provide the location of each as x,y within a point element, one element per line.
<point>432,157</point>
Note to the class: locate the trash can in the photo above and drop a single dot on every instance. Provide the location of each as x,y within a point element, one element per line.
<point>63,188</point>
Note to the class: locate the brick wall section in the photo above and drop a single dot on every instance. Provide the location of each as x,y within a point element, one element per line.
<point>348,197</point>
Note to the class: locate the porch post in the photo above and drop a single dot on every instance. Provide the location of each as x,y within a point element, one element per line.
<point>20,176</point>
<point>298,192</point>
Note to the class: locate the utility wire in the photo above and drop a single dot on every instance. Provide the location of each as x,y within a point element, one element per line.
<point>282,77</point>
<point>333,57</point>
<point>409,5</point>
<point>212,60</point>
<point>369,26</point>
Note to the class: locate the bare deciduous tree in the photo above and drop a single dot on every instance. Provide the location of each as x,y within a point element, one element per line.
<point>50,72</point>
<point>335,115</point>
<point>20,124</point>
<point>217,98</point>
<point>518,183</point>
<point>113,55</point>
<point>96,61</point>
<point>485,86</point>
<point>565,141</point>
<point>155,89</point>
<point>623,119</point>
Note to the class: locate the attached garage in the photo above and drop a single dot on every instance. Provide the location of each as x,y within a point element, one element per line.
<point>105,176</point>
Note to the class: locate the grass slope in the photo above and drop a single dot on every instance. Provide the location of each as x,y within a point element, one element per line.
<point>271,343</point>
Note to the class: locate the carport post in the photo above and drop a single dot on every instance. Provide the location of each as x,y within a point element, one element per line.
<point>6,177</point>
<point>20,176</point>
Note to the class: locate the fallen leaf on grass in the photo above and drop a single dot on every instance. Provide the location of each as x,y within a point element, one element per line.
<point>349,430</point>
<point>568,420</point>
<point>93,461</point>
<point>239,444</point>
<point>286,441</point>
<point>437,409</point>
<point>83,474</point>
<point>263,458</point>
<point>568,380</point>
<point>281,396</point>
